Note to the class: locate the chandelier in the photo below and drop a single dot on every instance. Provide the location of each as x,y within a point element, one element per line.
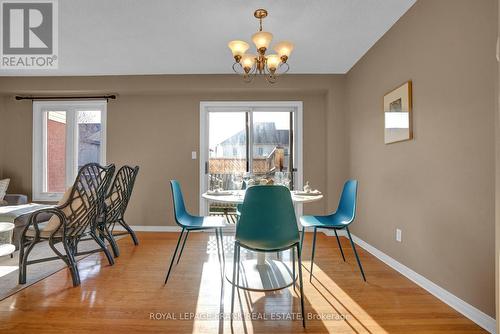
<point>272,66</point>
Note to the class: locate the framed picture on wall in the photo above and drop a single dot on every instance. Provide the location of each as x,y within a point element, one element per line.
<point>398,114</point>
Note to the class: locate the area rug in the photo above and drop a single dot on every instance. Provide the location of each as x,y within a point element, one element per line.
<point>9,267</point>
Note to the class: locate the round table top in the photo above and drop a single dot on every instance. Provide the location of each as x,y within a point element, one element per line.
<point>6,249</point>
<point>237,197</point>
<point>5,227</point>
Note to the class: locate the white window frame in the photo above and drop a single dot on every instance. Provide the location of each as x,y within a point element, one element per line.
<point>39,165</point>
<point>250,106</point>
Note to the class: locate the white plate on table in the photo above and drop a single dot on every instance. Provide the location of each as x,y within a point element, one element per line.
<point>307,193</point>
<point>219,193</point>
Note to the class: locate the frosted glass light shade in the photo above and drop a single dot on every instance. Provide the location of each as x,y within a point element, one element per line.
<point>284,48</point>
<point>262,39</point>
<point>238,48</point>
<point>247,60</point>
<point>273,62</point>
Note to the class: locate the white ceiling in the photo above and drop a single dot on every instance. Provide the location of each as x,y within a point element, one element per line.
<point>103,37</point>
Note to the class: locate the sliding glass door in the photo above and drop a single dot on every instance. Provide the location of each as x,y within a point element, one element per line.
<point>227,149</point>
<point>248,140</point>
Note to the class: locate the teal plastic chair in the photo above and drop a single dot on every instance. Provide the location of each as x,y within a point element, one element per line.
<point>189,223</point>
<point>339,220</point>
<point>239,206</point>
<point>267,224</point>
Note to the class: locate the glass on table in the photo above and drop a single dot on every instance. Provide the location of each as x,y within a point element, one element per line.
<point>278,178</point>
<point>237,179</point>
<point>282,178</point>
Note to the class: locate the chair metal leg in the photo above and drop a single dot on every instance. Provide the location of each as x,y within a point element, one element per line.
<point>108,236</point>
<point>302,238</point>
<point>301,287</point>
<point>129,230</point>
<point>293,267</point>
<point>103,247</point>
<point>68,258</point>
<point>182,248</point>
<point>218,253</point>
<point>75,275</point>
<point>76,245</point>
<point>22,268</point>
<point>340,246</point>
<point>23,258</point>
<point>222,246</point>
<point>312,254</point>
<point>173,256</point>
<point>235,268</point>
<point>356,253</point>
<point>238,269</point>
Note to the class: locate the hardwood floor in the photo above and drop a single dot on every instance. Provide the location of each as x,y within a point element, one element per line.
<point>130,296</point>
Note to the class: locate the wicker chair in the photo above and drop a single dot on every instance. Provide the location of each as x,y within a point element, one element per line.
<point>70,222</point>
<point>116,204</point>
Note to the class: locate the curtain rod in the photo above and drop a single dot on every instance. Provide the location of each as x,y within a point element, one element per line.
<point>88,97</point>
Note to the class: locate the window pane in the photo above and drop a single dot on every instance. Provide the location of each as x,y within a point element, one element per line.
<point>227,161</point>
<point>271,137</point>
<point>89,136</point>
<point>56,151</point>
<point>227,149</point>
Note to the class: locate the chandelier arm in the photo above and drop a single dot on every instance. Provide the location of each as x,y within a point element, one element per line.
<point>240,67</point>
<point>267,71</point>
<point>282,65</point>
<point>248,77</point>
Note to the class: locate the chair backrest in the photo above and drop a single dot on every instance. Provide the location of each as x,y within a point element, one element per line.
<point>178,201</point>
<point>120,192</point>
<point>347,203</point>
<point>267,218</point>
<point>86,199</point>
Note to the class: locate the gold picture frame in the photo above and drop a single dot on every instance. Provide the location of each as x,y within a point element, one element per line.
<point>398,105</point>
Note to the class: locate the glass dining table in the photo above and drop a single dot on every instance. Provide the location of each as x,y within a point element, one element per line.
<point>260,271</point>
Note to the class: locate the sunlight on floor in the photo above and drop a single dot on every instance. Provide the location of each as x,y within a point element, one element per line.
<point>211,292</point>
<point>341,305</point>
<point>355,316</point>
<point>5,270</point>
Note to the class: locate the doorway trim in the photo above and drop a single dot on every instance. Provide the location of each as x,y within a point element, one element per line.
<point>221,106</point>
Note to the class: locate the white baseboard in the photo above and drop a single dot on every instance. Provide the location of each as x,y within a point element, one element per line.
<point>176,229</point>
<point>331,233</point>
<point>139,228</point>
<point>479,317</point>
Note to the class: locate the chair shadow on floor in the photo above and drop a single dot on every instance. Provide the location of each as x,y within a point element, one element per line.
<point>261,312</point>
<point>252,314</point>
<point>342,278</point>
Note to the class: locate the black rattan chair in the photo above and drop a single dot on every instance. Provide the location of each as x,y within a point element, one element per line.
<point>69,222</point>
<point>116,204</point>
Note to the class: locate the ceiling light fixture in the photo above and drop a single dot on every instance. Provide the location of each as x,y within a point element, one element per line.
<point>272,66</point>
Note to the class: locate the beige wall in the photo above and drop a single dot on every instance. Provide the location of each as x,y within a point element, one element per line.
<point>154,123</point>
<point>337,150</point>
<point>497,186</point>
<point>439,187</point>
